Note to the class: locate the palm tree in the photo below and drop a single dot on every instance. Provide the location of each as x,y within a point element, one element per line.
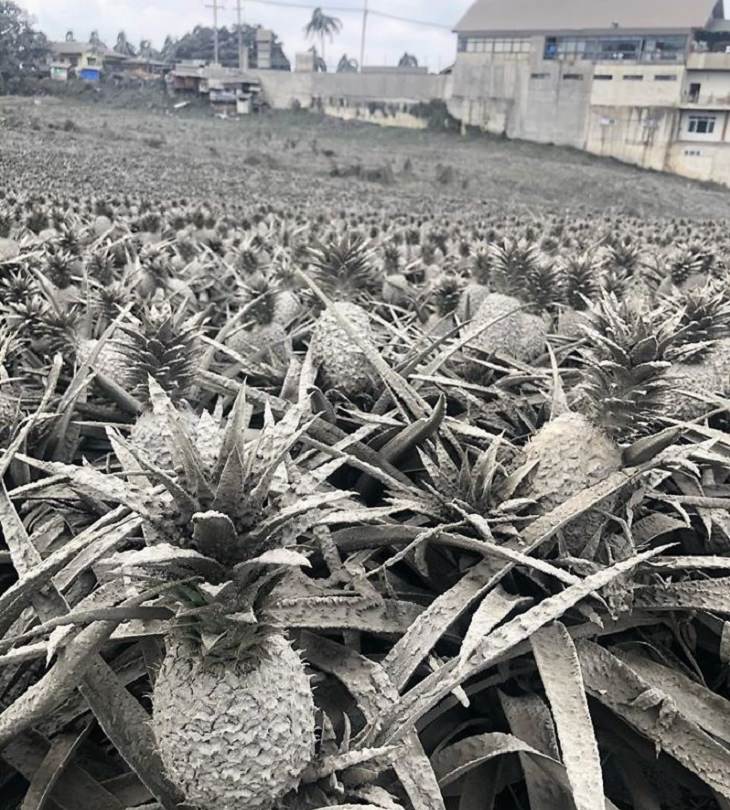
<point>124,45</point>
<point>407,60</point>
<point>347,65</point>
<point>69,36</point>
<point>322,25</point>
<point>145,49</point>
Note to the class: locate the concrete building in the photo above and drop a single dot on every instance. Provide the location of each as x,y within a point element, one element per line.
<point>643,81</point>
<point>229,91</point>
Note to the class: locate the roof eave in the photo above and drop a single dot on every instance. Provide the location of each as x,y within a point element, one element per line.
<point>573,31</point>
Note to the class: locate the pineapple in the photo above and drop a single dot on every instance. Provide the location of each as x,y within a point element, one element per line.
<point>624,389</point>
<point>342,363</point>
<point>233,711</point>
<point>514,332</point>
<point>234,729</point>
<point>267,337</point>
<point>162,345</point>
<point>701,349</point>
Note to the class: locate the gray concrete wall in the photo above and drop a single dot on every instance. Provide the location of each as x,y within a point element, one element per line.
<point>281,89</point>
<point>523,97</point>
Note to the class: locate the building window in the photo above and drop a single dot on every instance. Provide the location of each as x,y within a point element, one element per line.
<point>631,48</point>
<point>633,77</point>
<point>694,92</point>
<point>665,77</point>
<point>537,76</point>
<point>701,124</point>
<point>501,46</point>
<point>603,77</point>
<point>576,77</point>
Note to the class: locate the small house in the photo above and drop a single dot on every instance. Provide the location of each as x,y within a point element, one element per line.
<point>230,91</point>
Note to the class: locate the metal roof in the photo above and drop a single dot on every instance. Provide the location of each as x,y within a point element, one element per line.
<point>214,73</point>
<point>487,16</point>
<point>78,47</point>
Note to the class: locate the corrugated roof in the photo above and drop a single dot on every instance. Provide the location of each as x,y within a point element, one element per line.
<point>78,47</point>
<point>585,15</point>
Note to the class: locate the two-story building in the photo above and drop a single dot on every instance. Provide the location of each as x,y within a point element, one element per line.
<point>82,60</point>
<point>644,81</point>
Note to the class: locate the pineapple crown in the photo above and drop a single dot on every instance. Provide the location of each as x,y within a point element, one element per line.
<point>343,268</point>
<point>546,287</point>
<point>456,487</point>
<point>16,287</point>
<point>447,293</point>
<point>101,266</point>
<point>156,262</point>
<point>624,384</point>
<point>481,267</point>
<point>623,255</point>
<point>582,280</point>
<point>60,270</point>
<point>260,292</point>
<point>163,345</point>
<point>513,265</point>
<point>700,318</point>
<point>232,497</point>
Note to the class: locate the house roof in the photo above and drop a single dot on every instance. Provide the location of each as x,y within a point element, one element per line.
<point>78,48</point>
<point>503,16</point>
<point>216,73</point>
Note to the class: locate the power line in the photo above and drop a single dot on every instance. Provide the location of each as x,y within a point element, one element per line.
<point>354,10</point>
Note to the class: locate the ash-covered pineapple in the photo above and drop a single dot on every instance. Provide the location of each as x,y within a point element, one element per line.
<point>165,346</point>
<point>267,337</point>
<point>233,711</point>
<point>622,393</point>
<point>343,269</point>
<point>701,349</point>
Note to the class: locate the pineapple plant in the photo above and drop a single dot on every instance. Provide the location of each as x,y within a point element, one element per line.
<point>163,345</point>
<point>232,705</point>
<point>268,336</point>
<point>582,284</point>
<point>343,270</point>
<point>701,350</point>
<point>622,393</point>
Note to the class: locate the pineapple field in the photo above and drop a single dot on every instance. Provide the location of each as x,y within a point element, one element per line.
<point>344,468</point>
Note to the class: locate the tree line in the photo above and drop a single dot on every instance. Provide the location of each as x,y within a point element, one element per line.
<point>24,50</point>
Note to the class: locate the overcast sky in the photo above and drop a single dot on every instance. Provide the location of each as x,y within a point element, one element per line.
<point>387,39</point>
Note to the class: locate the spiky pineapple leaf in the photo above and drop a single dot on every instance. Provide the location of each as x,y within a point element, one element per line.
<point>559,667</point>
<point>654,714</point>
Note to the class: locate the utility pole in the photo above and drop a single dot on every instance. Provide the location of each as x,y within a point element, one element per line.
<point>216,8</point>
<point>239,18</point>
<point>362,38</point>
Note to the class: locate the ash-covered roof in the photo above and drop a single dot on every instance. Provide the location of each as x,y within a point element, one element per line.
<point>503,16</point>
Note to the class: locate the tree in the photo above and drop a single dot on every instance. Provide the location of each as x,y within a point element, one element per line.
<point>22,49</point>
<point>123,45</point>
<point>198,44</point>
<point>408,60</point>
<point>323,26</point>
<point>320,66</point>
<point>94,39</point>
<point>69,36</point>
<point>168,48</point>
<point>347,65</point>
<point>145,49</point>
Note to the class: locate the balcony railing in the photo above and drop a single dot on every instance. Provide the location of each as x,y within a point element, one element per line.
<point>700,60</point>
